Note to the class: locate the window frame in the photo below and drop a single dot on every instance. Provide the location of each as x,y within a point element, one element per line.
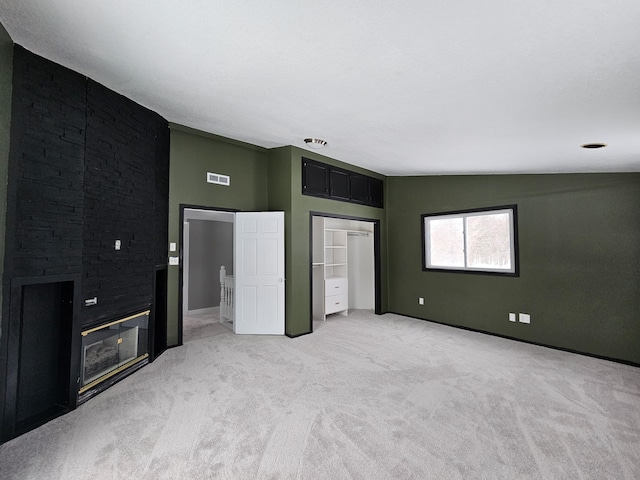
<point>514,271</point>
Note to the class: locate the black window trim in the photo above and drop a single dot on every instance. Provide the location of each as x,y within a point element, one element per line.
<point>516,248</point>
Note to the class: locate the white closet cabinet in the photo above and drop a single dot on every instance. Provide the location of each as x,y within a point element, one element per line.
<point>336,282</point>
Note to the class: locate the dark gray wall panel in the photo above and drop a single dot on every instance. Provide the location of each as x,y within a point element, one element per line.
<point>210,246</point>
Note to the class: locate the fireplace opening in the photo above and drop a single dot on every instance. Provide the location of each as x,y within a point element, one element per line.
<point>112,351</point>
<point>44,358</point>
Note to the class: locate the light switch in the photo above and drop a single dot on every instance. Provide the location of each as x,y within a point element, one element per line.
<point>173,247</point>
<point>524,318</point>
<point>118,244</point>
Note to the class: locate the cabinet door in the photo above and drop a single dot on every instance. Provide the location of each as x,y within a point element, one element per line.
<point>315,178</point>
<point>339,181</point>
<point>376,188</point>
<point>359,188</point>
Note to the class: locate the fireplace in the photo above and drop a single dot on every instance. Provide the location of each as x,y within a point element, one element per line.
<point>112,351</point>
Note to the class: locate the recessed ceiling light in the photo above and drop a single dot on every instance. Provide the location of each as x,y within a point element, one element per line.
<point>315,142</point>
<point>593,145</point>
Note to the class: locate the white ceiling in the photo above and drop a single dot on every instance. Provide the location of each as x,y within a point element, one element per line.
<point>403,88</point>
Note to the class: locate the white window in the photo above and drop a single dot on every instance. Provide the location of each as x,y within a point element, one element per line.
<point>481,240</point>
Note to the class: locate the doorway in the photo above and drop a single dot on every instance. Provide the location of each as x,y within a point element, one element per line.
<point>207,245</point>
<point>345,267</point>
<point>250,247</point>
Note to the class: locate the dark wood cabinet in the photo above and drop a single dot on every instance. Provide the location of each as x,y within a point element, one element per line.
<point>326,181</point>
<point>315,178</point>
<point>339,184</point>
<point>359,188</point>
<point>376,188</point>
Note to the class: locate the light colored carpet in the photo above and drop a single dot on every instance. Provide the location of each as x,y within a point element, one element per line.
<point>363,397</point>
<point>201,325</point>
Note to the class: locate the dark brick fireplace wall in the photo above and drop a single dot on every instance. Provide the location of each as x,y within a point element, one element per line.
<point>120,203</point>
<point>45,207</point>
<point>87,167</point>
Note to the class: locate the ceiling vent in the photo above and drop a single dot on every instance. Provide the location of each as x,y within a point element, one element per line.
<point>218,179</point>
<point>315,142</point>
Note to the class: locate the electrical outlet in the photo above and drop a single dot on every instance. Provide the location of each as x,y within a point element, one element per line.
<point>421,301</point>
<point>524,318</point>
<point>512,317</point>
<point>174,260</point>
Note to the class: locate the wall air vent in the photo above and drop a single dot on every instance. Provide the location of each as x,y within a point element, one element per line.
<point>218,179</point>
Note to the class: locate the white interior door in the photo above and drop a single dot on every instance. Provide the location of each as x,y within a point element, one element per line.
<point>259,273</point>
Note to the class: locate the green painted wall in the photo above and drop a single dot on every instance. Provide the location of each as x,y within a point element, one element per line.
<point>193,154</point>
<point>279,199</point>
<point>6,75</point>
<point>260,180</point>
<point>579,259</point>
<point>297,225</point>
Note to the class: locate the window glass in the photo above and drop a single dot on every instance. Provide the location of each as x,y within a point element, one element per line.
<point>489,241</point>
<point>447,242</point>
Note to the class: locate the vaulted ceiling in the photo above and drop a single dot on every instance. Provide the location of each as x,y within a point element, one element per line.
<point>403,88</point>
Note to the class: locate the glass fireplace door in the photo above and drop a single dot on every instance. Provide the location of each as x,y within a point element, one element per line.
<point>113,347</point>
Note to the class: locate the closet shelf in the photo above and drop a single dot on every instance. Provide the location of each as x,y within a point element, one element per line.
<point>332,296</point>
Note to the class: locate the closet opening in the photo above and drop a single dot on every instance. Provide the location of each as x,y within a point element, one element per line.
<point>345,270</point>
